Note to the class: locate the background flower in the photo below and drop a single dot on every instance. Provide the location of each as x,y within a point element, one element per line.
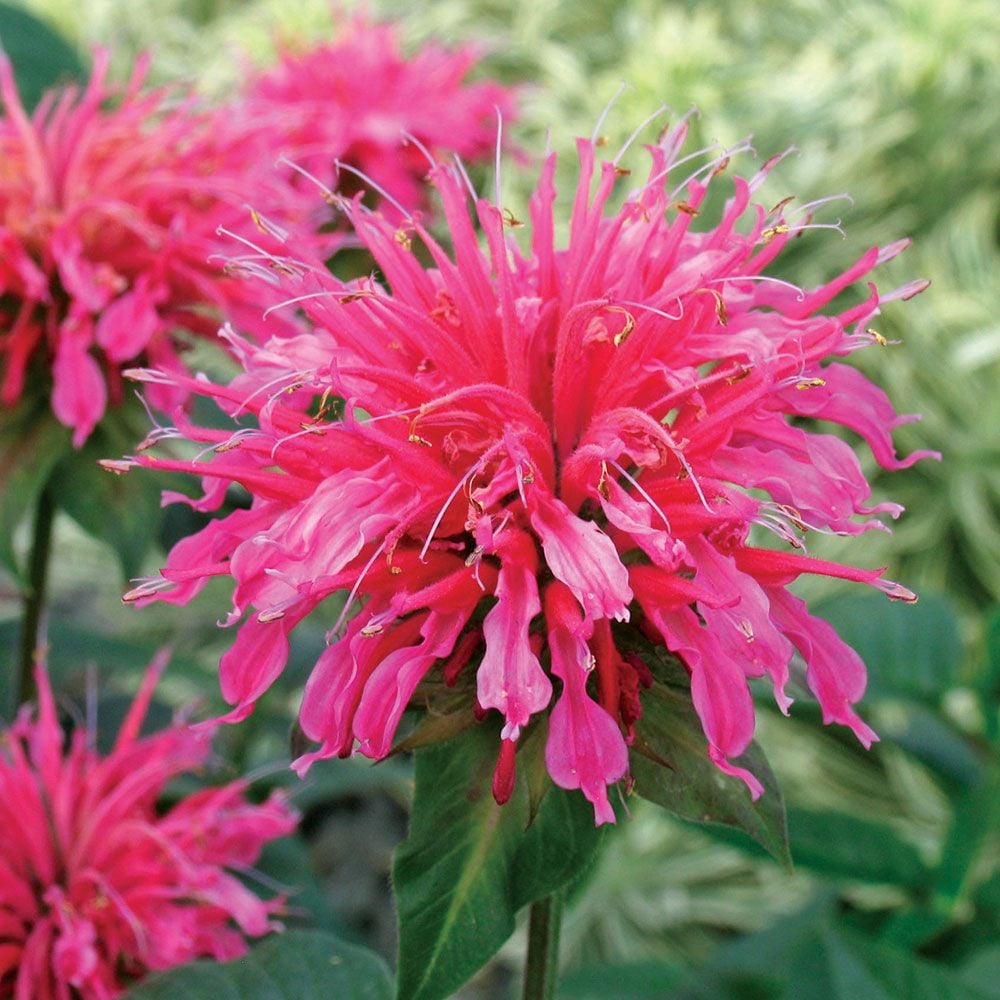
<point>97,886</point>
<point>111,206</point>
<point>360,98</point>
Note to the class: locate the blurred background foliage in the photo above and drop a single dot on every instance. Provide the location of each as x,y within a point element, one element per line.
<point>896,890</point>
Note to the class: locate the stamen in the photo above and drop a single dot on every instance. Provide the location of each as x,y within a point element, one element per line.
<point>809,206</point>
<point>290,377</point>
<point>800,295</point>
<point>265,254</point>
<point>684,159</point>
<point>313,295</point>
<point>607,109</point>
<point>652,503</point>
<point>743,146</point>
<point>331,197</point>
<point>410,139</point>
<point>661,110</point>
<point>357,586</point>
<point>147,586</point>
<point>265,225</point>
<point>440,515</point>
<point>496,166</point>
<point>465,176</point>
<point>652,309</point>
<point>340,165</point>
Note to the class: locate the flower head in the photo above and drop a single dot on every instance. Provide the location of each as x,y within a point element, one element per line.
<point>381,113</point>
<point>96,886</point>
<point>109,219</point>
<point>538,450</point>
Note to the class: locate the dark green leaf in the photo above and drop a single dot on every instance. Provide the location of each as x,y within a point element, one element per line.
<point>671,767</point>
<point>911,650</point>
<point>931,739</point>
<point>122,510</point>
<point>297,965</point>
<point>41,57</point>
<point>636,981</point>
<point>990,682</point>
<point>982,970</point>
<point>469,864</point>
<point>73,647</point>
<point>815,955</point>
<point>287,862</point>
<point>843,846</point>
<point>32,441</point>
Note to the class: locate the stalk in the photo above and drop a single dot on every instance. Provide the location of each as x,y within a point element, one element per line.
<point>541,970</point>
<point>34,595</point>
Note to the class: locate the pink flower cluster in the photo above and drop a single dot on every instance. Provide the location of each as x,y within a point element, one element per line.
<point>537,446</point>
<point>108,234</point>
<point>360,98</point>
<point>117,208</point>
<point>96,886</point>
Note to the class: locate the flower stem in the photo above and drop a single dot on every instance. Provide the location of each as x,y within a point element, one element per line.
<point>542,964</point>
<point>34,594</point>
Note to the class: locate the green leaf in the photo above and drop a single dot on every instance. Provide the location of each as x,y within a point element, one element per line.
<point>990,683</point>
<point>636,981</point>
<point>671,767</point>
<point>923,732</point>
<point>816,955</point>
<point>121,510</point>
<point>982,970</point>
<point>297,965</point>
<point>911,650</point>
<point>41,57</point>
<point>468,864</point>
<point>120,663</point>
<point>842,846</point>
<point>32,442</point>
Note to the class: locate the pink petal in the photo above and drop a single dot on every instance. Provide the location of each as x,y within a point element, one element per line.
<point>580,555</point>
<point>834,671</point>
<point>79,395</point>
<point>585,748</point>
<point>126,326</point>
<point>510,678</point>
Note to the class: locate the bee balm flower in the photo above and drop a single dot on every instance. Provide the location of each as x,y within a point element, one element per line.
<point>96,886</point>
<point>538,450</point>
<point>108,222</point>
<point>360,98</point>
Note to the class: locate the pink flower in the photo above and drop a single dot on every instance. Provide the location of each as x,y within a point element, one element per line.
<point>374,108</point>
<point>97,887</point>
<point>108,229</point>
<point>539,449</point>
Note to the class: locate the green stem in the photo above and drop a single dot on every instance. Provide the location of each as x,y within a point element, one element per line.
<point>541,969</point>
<point>34,594</point>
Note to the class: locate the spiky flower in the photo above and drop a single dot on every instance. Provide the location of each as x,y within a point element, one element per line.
<point>110,206</point>
<point>539,450</point>
<point>97,887</point>
<point>374,108</point>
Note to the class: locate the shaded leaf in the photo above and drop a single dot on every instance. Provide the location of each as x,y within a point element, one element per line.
<point>815,955</point>
<point>843,846</point>
<point>32,442</point>
<point>121,510</point>
<point>41,57</point>
<point>911,650</point>
<point>468,864</point>
<point>636,981</point>
<point>72,647</point>
<point>671,767</point>
<point>931,739</point>
<point>297,965</point>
